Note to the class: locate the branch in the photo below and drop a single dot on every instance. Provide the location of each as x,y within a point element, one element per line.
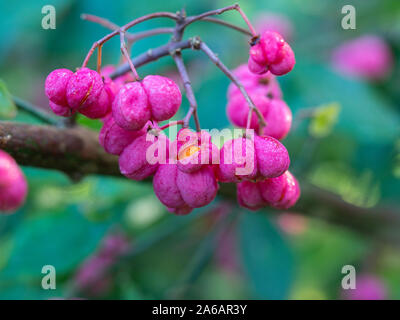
<point>76,152</point>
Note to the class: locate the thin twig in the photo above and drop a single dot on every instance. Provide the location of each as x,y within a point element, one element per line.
<point>177,56</point>
<point>227,24</point>
<point>235,80</point>
<point>130,37</point>
<point>124,29</point>
<point>125,53</point>
<point>36,111</point>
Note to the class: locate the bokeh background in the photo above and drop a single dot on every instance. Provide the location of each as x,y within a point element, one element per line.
<point>110,237</point>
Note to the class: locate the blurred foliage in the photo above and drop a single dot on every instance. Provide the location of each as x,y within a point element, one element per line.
<point>353,153</point>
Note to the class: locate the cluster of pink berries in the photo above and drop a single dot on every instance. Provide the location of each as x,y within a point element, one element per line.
<point>13,185</point>
<point>187,170</point>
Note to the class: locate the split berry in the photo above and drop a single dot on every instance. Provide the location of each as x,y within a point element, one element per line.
<point>280,192</point>
<point>194,150</point>
<point>271,53</point>
<point>155,97</point>
<point>86,94</point>
<point>13,185</point>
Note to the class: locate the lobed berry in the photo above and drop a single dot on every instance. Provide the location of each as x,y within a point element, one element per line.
<point>82,91</point>
<point>252,159</point>
<point>280,192</point>
<point>56,86</point>
<point>136,163</point>
<point>13,185</point>
<point>130,107</point>
<point>163,95</point>
<point>271,53</point>
<point>115,139</point>
<point>155,97</point>
<point>180,192</point>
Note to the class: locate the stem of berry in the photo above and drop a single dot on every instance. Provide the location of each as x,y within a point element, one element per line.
<point>177,56</point>
<point>251,28</point>
<point>213,57</point>
<point>125,53</point>
<point>218,12</point>
<point>227,24</point>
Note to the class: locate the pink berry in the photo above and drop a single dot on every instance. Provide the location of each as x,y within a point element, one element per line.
<point>134,162</point>
<point>368,57</point>
<point>271,44</point>
<point>271,53</point>
<point>180,191</point>
<point>84,88</point>
<point>99,108</point>
<point>13,185</point>
<point>272,157</point>
<point>279,119</point>
<point>368,287</point>
<point>286,64</point>
<point>130,108</point>
<point>56,86</point>
<point>281,192</point>
<point>256,67</point>
<point>238,108</point>
<point>165,187</point>
<point>60,110</point>
<point>249,196</point>
<point>265,83</point>
<point>238,161</point>
<point>198,188</point>
<point>115,139</point>
<point>164,96</point>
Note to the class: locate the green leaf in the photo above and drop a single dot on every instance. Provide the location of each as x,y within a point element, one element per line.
<point>63,240</point>
<point>8,109</point>
<point>324,119</point>
<point>266,257</point>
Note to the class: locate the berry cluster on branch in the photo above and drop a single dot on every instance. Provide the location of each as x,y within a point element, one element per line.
<point>188,169</point>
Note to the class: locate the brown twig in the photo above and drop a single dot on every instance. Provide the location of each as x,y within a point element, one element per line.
<point>235,80</point>
<point>124,29</point>
<point>76,152</point>
<point>130,37</point>
<point>177,56</point>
